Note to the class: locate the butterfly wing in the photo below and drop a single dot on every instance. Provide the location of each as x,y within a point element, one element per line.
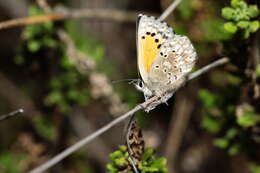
<point>168,70</point>
<point>151,35</point>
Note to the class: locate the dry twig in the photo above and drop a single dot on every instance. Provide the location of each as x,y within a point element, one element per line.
<point>104,14</point>
<point>170,9</point>
<point>11,114</point>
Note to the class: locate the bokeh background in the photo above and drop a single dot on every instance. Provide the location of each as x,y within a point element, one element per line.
<point>61,73</point>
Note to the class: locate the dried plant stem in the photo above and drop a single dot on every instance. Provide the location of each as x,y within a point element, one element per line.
<point>89,138</point>
<point>30,20</point>
<point>170,9</point>
<point>203,70</point>
<point>106,14</point>
<point>94,135</point>
<point>9,115</point>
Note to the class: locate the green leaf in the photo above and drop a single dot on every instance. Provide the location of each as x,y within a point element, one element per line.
<point>116,154</point>
<point>240,4</point>
<point>148,153</point>
<point>254,168</point>
<point>34,45</point>
<point>246,33</point>
<point>249,119</point>
<point>243,24</point>
<point>231,133</point>
<point>233,80</point>
<point>221,143</point>
<point>208,98</point>
<point>120,161</point>
<point>253,11</point>
<point>54,97</point>
<point>10,163</point>
<point>258,70</point>
<point>235,3</point>
<point>228,13</point>
<point>254,26</point>
<point>111,168</point>
<point>234,149</point>
<point>211,124</point>
<point>44,128</point>
<point>73,94</point>
<point>50,42</point>
<point>230,27</point>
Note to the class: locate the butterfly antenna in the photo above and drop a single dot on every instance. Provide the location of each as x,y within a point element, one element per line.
<point>124,80</point>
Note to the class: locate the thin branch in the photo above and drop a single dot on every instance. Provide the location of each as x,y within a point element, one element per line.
<point>203,70</point>
<point>30,20</point>
<point>16,98</point>
<point>170,9</point>
<point>94,135</point>
<point>83,142</point>
<point>11,114</point>
<point>105,14</point>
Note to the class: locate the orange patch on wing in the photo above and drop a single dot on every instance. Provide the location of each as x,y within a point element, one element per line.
<point>150,50</point>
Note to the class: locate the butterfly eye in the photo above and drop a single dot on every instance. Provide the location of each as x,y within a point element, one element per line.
<point>157,66</point>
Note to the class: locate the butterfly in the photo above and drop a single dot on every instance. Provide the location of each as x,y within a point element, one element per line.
<point>164,58</point>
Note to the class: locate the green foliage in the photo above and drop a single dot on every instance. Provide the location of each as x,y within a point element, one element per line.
<point>86,44</point>
<point>242,17</point>
<point>254,168</point>
<point>228,141</point>
<point>148,163</point>
<point>258,70</point>
<point>208,99</point>
<point>37,37</point>
<point>33,33</point>
<point>66,90</point>
<point>219,117</point>
<point>65,86</point>
<point>185,9</point>
<point>213,30</point>
<point>210,123</point>
<point>44,128</point>
<point>10,163</point>
<point>248,119</point>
